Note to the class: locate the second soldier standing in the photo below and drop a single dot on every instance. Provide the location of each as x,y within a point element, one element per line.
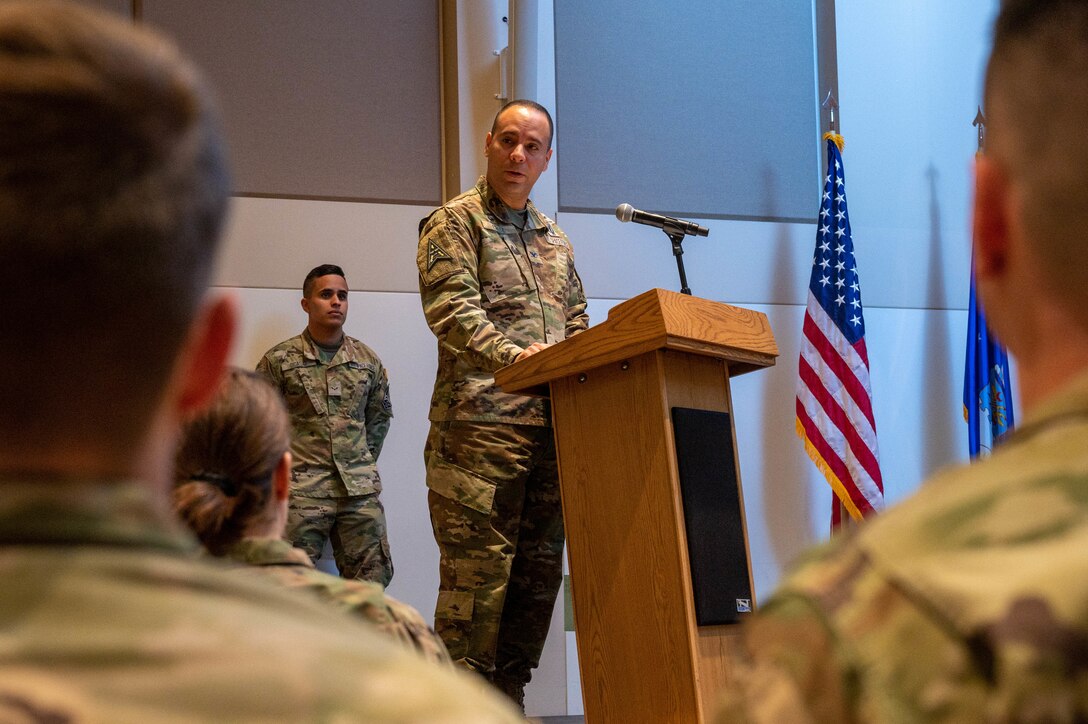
<point>337,394</point>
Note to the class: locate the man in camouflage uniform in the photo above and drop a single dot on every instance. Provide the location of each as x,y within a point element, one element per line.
<point>113,188</point>
<point>969,602</point>
<point>498,283</point>
<point>337,393</point>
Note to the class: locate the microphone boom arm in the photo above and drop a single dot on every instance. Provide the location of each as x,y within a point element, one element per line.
<point>676,236</point>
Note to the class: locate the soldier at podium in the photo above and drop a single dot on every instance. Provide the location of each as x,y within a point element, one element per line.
<point>968,602</point>
<point>498,283</point>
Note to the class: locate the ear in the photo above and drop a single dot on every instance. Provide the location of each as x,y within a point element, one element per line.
<point>487,144</point>
<point>992,218</point>
<point>306,305</point>
<point>203,361</point>
<point>548,157</point>
<point>281,478</point>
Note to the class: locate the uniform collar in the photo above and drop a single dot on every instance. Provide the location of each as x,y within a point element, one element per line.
<point>268,552</point>
<point>498,208</point>
<point>309,349</point>
<point>87,511</point>
<point>1071,401</point>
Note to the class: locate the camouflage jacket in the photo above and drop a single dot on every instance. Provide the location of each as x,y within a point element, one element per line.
<point>291,567</point>
<point>337,437</point>
<point>490,290</point>
<point>110,615</point>
<point>966,603</point>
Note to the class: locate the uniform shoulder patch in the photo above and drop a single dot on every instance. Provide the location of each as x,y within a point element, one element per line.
<point>434,259</point>
<point>435,254</point>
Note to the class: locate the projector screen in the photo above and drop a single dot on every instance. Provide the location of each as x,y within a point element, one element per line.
<point>702,108</point>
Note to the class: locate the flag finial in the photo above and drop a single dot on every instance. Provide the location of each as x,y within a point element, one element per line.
<point>832,105</point>
<point>980,123</point>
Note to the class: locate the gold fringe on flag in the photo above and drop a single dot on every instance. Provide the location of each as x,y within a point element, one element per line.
<point>835,138</point>
<point>837,487</point>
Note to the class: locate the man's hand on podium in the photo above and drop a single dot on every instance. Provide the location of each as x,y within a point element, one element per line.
<point>531,350</point>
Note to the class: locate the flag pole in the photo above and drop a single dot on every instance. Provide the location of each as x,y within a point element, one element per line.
<point>987,388</point>
<point>980,123</point>
<point>840,516</point>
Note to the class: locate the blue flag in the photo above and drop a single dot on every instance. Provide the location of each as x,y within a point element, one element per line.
<point>987,393</point>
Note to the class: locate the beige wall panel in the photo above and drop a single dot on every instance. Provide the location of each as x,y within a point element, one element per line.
<point>121,7</point>
<point>274,242</point>
<point>331,99</point>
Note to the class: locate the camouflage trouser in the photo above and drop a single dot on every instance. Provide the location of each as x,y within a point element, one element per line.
<point>497,518</point>
<point>356,525</point>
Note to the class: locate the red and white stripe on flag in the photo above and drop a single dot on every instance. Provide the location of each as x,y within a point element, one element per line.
<point>835,413</point>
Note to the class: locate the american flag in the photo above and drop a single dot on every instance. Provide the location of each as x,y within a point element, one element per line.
<point>834,401</point>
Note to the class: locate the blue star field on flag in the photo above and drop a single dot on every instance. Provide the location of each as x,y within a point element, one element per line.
<point>835,276</point>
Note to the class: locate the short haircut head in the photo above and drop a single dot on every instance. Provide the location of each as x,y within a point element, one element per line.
<point>228,453</point>
<point>1037,113</point>
<point>532,105</point>
<point>317,272</point>
<point>113,187</point>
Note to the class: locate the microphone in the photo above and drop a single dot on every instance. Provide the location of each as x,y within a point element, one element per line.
<point>625,212</point>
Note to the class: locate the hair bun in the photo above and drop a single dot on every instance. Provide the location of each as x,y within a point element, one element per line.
<point>224,482</point>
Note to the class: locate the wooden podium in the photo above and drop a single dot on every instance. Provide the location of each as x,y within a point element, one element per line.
<point>645,441</point>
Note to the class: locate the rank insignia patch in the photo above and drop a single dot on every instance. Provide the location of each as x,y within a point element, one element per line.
<point>435,254</point>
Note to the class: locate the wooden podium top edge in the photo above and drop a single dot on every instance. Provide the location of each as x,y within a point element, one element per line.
<point>656,319</point>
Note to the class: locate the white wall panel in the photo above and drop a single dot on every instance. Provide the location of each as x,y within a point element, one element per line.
<point>742,262</point>
<point>909,85</point>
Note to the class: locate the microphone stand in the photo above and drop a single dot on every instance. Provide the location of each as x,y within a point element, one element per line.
<point>676,236</point>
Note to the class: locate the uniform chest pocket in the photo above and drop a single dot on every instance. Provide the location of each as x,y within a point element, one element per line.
<point>551,260</point>
<point>504,269</point>
<point>303,389</point>
<point>357,382</point>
